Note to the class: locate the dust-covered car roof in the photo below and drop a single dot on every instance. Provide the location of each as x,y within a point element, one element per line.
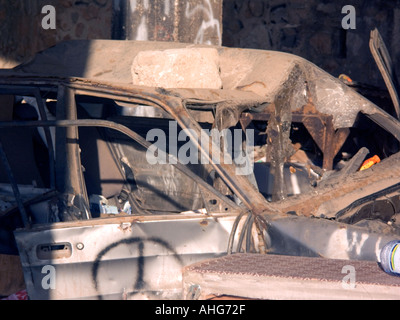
<point>262,75</point>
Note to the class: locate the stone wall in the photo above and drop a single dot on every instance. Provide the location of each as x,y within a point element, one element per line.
<point>21,32</point>
<point>313,29</point>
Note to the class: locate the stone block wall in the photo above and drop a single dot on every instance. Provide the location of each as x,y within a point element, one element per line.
<point>21,32</point>
<point>313,29</point>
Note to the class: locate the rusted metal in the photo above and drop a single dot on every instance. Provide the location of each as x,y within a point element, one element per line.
<point>74,200</point>
<point>319,126</point>
<point>385,66</point>
<point>326,137</point>
<point>253,225</point>
<point>49,139</point>
<point>333,197</point>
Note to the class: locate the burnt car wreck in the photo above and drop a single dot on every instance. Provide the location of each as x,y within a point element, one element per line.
<point>84,198</point>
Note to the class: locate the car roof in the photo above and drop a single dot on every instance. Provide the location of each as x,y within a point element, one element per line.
<point>252,75</point>
<point>260,71</point>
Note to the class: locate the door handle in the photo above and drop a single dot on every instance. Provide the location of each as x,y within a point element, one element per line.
<point>51,251</point>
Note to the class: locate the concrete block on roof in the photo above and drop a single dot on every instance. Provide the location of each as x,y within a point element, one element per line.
<point>177,68</point>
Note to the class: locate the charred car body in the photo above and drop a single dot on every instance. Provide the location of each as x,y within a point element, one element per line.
<point>78,183</point>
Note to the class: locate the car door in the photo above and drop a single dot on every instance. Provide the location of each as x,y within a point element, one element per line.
<point>142,223</point>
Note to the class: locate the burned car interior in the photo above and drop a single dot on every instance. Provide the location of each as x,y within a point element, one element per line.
<point>88,187</point>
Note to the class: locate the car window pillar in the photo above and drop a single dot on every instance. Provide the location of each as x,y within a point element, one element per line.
<point>73,200</point>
